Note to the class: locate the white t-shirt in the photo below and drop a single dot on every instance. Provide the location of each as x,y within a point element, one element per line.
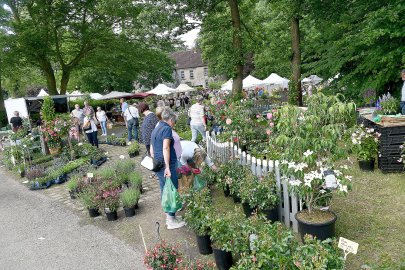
<point>403,92</point>
<point>196,113</point>
<point>187,152</point>
<point>131,112</point>
<point>101,116</point>
<point>78,114</point>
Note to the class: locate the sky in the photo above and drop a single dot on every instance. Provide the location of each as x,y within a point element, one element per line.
<point>190,37</point>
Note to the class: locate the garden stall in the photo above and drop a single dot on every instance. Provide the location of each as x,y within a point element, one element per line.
<point>392,131</point>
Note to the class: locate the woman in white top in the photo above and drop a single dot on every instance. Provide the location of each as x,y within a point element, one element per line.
<point>102,118</point>
<point>91,130</point>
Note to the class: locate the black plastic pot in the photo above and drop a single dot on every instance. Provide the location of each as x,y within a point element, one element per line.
<point>72,194</point>
<point>247,209</point>
<point>132,155</point>
<point>204,244</point>
<point>223,259</point>
<point>136,206</point>
<point>111,216</point>
<point>93,212</point>
<point>129,212</point>
<point>367,165</point>
<point>236,198</point>
<point>227,192</point>
<point>271,214</point>
<point>321,231</point>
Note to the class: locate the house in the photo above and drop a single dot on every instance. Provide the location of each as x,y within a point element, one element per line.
<point>190,69</point>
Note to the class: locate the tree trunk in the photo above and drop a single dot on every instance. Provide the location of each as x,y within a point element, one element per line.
<point>2,108</point>
<point>64,81</point>
<point>237,46</point>
<point>296,58</point>
<point>46,67</point>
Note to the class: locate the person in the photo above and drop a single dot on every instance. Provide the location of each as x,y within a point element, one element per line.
<point>124,106</point>
<point>402,103</point>
<point>88,110</point>
<point>171,102</point>
<point>148,124</point>
<point>102,118</point>
<point>178,103</point>
<point>16,121</point>
<point>91,131</point>
<point>162,149</point>
<point>197,123</point>
<point>77,113</point>
<point>193,155</point>
<point>131,116</point>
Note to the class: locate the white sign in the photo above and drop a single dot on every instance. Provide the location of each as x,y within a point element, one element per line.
<point>348,246</point>
<point>90,175</point>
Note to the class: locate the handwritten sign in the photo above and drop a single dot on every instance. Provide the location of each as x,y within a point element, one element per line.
<point>348,246</point>
<point>90,175</point>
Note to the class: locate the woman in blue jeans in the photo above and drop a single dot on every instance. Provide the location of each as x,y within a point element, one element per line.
<point>162,149</point>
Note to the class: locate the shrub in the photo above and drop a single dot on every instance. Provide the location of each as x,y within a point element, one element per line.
<point>88,197</point>
<point>73,183</point>
<point>163,257</point>
<point>133,148</point>
<point>199,211</point>
<point>34,173</point>
<point>135,179</point>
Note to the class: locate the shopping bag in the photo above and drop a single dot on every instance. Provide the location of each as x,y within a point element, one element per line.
<point>199,183</point>
<point>171,201</point>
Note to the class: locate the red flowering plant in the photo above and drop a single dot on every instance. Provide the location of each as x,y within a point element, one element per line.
<point>54,131</point>
<point>163,257</point>
<point>108,196</point>
<point>184,170</point>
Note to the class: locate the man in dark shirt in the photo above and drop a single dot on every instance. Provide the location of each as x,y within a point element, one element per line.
<point>16,121</point>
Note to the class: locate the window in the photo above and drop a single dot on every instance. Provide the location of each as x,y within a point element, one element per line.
<point>182,75</point>
<point>191,74</point>
<point>206,72</point>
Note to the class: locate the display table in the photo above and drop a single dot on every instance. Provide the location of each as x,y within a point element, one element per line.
<point>392,131</point>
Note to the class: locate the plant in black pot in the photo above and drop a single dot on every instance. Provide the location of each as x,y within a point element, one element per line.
<point>313,182</point>
<point>365,146</point>
<point>124,168</point>
<point>72,185</point>
<point>232,177</point>
<point>88,197</point>
<point>198,213</point>
<point>129,199</point>
<point>133,149</point>
<point>267,197</point>
<point>108,199</point>
<point>135,180</point>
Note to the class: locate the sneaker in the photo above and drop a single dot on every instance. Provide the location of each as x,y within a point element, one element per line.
<point>178,218</point>
<point>175,224</point>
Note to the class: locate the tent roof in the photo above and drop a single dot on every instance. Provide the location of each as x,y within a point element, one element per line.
<point>251,81</point>
<point>42,93</point>
<point>161,89</point>
<point>96,95</point>
<point>227,86</point>
<point>275,79</point>
<point>312,79</point>
<point>116,94</point>
<point>184,88</point>
<point>76,93</point>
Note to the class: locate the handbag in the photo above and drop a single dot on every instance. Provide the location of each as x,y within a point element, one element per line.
<point>87,125</point>
<point>152,164</point>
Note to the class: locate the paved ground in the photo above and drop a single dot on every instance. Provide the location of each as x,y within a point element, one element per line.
<point>37,233</point>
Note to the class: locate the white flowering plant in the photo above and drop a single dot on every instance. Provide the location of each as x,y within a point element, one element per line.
<point>314,180</point>
<point>365,142</point>
<point>402,159</point>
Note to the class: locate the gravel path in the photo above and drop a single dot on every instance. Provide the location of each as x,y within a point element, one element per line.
<point>39,233</point>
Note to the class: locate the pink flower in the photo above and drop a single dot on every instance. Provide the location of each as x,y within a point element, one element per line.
<point>269,115</point>
<point>228,121</point>
<point>258,116</point>
<point>268,131</point>
<point>272,124</point>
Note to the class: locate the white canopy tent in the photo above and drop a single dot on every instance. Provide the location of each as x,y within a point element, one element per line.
<point>42,93</point>
<point>275,80</point>
<point>313,79</point>
<point>96,96</point>
<point>227,86</point>
<point>115,94</point>
<point>161,90</point>
<point>183,88</point>
<point>250,82</point>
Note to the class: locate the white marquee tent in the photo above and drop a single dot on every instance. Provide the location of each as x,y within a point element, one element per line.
<point>183,88</point>
<point>313,79</point>
<point>42,93</point>
<point>161,90</point>
<point>276,81</point>
<point>115,94</point>
<point>251,81</point>
<point>227,86</point>
<point>96,96</point>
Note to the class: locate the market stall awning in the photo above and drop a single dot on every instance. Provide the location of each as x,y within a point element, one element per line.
<point>161,90</point>
<point>251,81</point>
<point>314,79</point>
<point>183,88</point>
<point>116,94</point>
<point>275,79</point>
<point>227,86</point>
<point>96,96</point>
<point>42,93</point>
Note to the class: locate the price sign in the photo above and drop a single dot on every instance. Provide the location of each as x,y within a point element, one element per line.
<point>90,175</point>
<point>348,246</point>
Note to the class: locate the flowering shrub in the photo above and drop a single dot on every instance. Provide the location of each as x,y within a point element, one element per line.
<point>108,197</point>
<point>163,257</point>
<point>184,170</point>
<point>365,142</point>
<point>52,137</point>
<point>387,104</point>
<point>198,211</point>
<point>402,159</point>
<point>199,265</point>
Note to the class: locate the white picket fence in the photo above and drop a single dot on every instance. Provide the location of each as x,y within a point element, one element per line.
<point>289,203</point>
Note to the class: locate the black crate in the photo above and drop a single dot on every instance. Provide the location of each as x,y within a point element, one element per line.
<point>390,164</point>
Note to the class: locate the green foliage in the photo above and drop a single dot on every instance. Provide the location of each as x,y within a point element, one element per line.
<point>135,179</point>
<point>364,143</point>
<point>73,183</point>
<point>130,197</point>
<point>88,197</point>
<point>199,211</point>
<point>48,110</point>
<point>133,148</point>
<point>390,106</point>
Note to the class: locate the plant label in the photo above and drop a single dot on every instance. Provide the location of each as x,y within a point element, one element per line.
<point>252,239</point>
<point>90,175</point>
<point>330,181</point>
<point>348,246</point>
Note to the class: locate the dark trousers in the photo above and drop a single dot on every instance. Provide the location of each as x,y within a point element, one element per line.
<point>148,149</point>
<point>402,106</point>
<point>92,136</point>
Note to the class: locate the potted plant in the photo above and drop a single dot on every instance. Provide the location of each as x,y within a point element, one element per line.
<point>365,146</point>
<point>108,199</point>
<point>198,212</point>
<point>124,168</point>
<point>387,104</point>
<point>135,180</point>
<point>120,141</point>
<point>129,199</point>
<point>199,265</point>
<point>163,257</point>
<point>133,149</point>
<point>313,183</point>
<point>35,172</point>
<point>111,139</point>
<point>72,186</point>
<point>88,197</point>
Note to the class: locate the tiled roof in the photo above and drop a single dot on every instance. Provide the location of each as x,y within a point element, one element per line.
<point>188,59</point>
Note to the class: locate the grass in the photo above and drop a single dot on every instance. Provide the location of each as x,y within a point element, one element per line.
<point>373,215</point>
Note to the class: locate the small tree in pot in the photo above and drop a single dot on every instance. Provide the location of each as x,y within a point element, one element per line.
<point>129,199</point>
